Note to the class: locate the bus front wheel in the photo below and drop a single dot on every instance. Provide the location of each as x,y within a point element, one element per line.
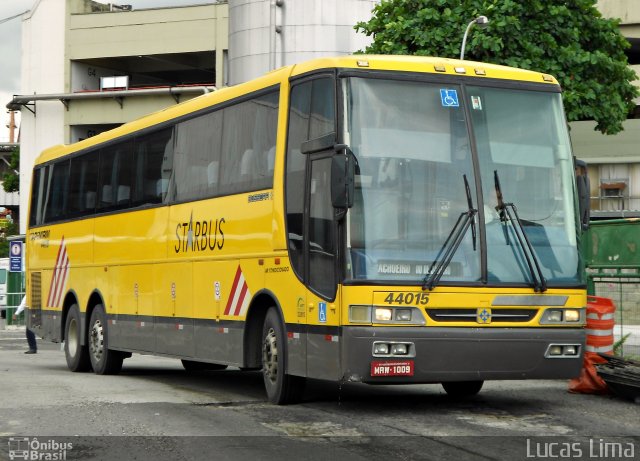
<point>281,387</point>
<point>76,354</point>
<point>462,388</point>
<point>103,360</point>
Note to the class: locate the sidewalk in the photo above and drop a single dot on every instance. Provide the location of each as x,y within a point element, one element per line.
<point>5,327</point>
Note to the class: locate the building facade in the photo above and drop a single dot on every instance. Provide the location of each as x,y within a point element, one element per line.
<point>89,66</point>
<point>614,161</point>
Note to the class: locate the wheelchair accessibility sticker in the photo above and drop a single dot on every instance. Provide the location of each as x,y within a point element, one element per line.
<point>449,98</point>
<point>322,312</point>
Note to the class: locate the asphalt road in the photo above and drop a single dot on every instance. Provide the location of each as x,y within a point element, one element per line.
<point>155,410</point>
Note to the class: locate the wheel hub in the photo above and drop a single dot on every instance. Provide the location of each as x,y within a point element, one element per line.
<point>96,340</point>
<point>72,337</point>
<point>270,356</point>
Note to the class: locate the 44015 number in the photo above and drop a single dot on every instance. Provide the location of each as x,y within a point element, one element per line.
<point>407,298</point>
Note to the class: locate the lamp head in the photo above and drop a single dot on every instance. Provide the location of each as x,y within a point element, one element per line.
<point>482,22</point>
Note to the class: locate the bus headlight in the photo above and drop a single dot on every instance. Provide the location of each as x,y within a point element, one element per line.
<point>363,314</point>
<point>383,314</point>
<point>553,317</point>
<point>572,315</point>
<point>380,349</point>
<point>393,349</point>
<point>399,349</point>
<point>561,316</point>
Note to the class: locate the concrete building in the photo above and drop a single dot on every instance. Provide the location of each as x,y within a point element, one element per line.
<point>89,66</point>
<point>614,161</point>
<point>268,34</point>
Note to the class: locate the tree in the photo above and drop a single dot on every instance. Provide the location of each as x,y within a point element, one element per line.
<point>11,178</point>
<point>567,39</point>
<point>11,229</point>
<point>11,183</point>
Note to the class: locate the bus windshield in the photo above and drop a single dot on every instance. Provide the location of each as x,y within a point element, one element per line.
<point>414,150</point>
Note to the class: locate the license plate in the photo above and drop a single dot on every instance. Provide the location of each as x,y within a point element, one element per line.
<point>387,368</point>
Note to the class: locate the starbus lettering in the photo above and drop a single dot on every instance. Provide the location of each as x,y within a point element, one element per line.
<point>199,235</point>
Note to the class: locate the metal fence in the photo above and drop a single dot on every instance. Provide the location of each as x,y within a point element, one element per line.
<point>6,316</point>
<point>611,251</point>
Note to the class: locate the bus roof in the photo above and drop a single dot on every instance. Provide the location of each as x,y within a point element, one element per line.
<point>424,64</point>
<point>419,64</point>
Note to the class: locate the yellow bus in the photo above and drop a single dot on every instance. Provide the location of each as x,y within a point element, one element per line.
<point>375,219</point>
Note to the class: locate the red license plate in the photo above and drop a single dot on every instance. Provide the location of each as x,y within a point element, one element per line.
<point>388,368</point>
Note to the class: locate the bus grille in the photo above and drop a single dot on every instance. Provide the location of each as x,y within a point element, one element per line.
<point>471,315</point>
<point>36,290</point>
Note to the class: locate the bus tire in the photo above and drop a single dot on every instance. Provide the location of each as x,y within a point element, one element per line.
<point>281,387</point>
<point>76,354</point>
<point>190,365</point>
<point>103,360</point>
<point>462,389</point>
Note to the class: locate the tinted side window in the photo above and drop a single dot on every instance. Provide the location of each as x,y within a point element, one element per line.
<point>197,157</point>
<point>83,185</point>
<point>299,113</point>
<point>57,191</point>
<point>37,196</point>
<point>248,145</point>
<point>153,167</point>
<point>115,176</point>
<point>322,119</point>
<point>311,115</point>
<point>322,249</point>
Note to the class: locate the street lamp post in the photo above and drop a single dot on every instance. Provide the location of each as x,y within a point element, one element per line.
<point>482,22</point>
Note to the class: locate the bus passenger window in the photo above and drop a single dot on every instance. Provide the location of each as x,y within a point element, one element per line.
<point>197,149</point>
<point>57,192</point>
<point>153,166</point>
<point>83,182</point>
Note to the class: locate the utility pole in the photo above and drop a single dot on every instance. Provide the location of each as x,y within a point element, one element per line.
<point>12,126</point>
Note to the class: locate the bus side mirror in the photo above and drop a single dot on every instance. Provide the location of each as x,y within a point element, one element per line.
<point>342,179</point>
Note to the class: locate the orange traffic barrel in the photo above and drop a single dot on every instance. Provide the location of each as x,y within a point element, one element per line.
<point>600,323</point>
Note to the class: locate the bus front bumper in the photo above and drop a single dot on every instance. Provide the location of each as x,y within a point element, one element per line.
<point>459,354</point>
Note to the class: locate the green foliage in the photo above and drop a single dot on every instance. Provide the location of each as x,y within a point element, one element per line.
<point>11,179</point>
<point>619,344</point>
<point>569,40</point>
<point>11,229</point>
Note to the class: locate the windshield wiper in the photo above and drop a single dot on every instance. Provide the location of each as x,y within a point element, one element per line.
<point>509,214</point>
<point>451,244</point>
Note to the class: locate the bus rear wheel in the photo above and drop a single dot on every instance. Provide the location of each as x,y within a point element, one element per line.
<point>462,388</point>
<point>281,387</point>
<point>76,354</point>
<point>103,360</point>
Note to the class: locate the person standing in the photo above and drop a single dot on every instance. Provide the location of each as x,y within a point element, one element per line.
<point>31,337</point>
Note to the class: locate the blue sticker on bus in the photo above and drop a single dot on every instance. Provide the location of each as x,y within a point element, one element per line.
<point>449,98</point>
<point>322,312</point>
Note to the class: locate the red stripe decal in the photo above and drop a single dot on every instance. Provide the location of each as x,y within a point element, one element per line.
<point>56,275</point>
<point>62,278</point>
<point>233,291</point>
<point>243,293</point>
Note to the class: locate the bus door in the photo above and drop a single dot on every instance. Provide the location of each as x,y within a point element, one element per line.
<point>323,306</point>
<point>311,225</point>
